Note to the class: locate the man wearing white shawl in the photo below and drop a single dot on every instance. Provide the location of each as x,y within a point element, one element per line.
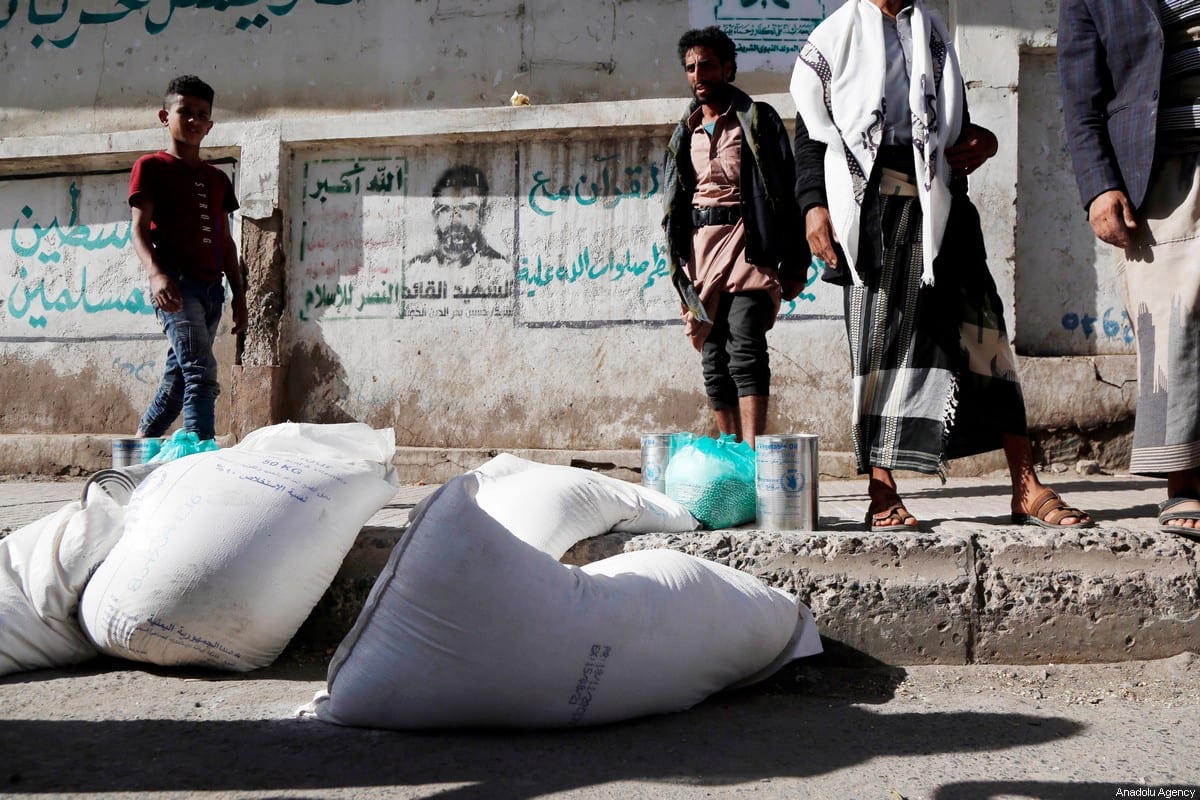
<point>883,147</point>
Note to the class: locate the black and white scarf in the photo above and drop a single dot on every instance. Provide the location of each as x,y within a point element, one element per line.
<point>838,87</point>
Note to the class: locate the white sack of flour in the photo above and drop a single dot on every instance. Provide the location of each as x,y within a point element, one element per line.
<point>553,507</point>
<point>225,553</point>
<point>44,567</point>
<point>469,626</point>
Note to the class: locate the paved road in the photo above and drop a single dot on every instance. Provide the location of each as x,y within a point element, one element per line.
<point>112,729</point>
<point>115,729</point>
<point>962,505</point>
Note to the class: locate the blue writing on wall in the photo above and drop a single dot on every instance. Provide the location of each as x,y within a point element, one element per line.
<point>156,15</point>
<point>47,241</point>
<point>46,244</point>
<point>34,301</point>
<point>1112,325</point>
<point>793,307</point>
<point>583,267</point>
<point>142,373</point>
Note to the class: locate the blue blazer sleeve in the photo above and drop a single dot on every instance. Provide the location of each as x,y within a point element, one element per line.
<point>1110,56</point>
<point>1087,91</point>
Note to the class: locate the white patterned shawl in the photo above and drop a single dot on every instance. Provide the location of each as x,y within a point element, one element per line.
<point>838,86</point>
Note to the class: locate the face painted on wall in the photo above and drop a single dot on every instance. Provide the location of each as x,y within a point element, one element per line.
<point>458,220</point>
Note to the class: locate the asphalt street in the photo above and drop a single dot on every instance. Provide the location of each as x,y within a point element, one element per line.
<point>1056,732</point>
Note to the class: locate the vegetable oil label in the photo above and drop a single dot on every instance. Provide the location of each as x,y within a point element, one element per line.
<point>786,482</point>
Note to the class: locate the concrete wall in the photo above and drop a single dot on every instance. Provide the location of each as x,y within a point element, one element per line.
<point>337,119</point>
<point>1064,291</point>
<point>579,345</point>
<point>71,69</point>
<point>80,349</point>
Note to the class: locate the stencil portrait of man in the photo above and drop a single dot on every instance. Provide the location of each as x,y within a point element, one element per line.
<point>461,267</point>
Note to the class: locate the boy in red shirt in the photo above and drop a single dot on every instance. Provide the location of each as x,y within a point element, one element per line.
<point>181,206</point>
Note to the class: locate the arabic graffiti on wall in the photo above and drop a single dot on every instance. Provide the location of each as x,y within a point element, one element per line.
<point>59,26</point>
<point>613,183</point>
<point>369,250</point>
<point>141,371</point>
<point>68,270</point>
<point>583,267</point>
<point>344,233</point>
<point>768,33</point>
<point>554,234</point>
<point>67,257</point>
<point>592,250</point>
<point>1114,325</point>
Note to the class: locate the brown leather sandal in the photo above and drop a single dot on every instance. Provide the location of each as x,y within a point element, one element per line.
<point>895,511</point>
<point>1048,509</point>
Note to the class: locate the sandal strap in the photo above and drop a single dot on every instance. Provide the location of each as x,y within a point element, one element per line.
<point>1049,507</point>
<point>1165,514</point>
<point>1188,496</point>
<point>896,510</point>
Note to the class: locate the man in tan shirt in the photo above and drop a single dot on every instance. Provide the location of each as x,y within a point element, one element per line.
<point>734,230</point>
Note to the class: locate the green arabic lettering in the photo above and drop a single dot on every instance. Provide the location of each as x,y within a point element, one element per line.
<point>73,235</point>
<point>38,18</point>
<point>12,10</point>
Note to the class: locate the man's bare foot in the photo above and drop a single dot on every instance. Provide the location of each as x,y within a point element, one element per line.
<point>1180,514</point>
<point>1043,507</point>
<point>886,511</point>
<point>895,517</point>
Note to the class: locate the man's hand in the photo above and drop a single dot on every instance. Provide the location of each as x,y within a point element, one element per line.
<point>977,145</point>
<point>164,293</point>
<point>240,316</point>
<point>1111,215</point>
<point>818,229</point>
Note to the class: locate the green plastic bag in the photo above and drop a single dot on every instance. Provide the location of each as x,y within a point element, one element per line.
<point>714,480</point>
<point>679,441</point>
<point>182,443</point>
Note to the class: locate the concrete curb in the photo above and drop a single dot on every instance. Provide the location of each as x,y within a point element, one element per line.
<point>969,589</point>
<point>996,597</point>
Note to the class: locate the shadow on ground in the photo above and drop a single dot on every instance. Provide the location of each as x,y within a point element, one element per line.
<point>1043,790</point>
<point>803,722</point>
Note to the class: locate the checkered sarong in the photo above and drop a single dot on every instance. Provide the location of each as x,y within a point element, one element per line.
<point>934,374</point>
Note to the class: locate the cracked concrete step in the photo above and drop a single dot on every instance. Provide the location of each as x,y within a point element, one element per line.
<point>969,589</point>
<point>80,454</point>
<point>995,597</point>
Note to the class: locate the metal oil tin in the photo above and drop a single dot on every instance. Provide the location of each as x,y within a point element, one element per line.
<point>656,452</point>
<point>786,481</point>
<point>124,451</point>
<point>147,449</point>
<point>119,482</point>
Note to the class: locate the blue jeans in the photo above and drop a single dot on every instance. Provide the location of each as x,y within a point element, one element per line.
<point>189,381</point>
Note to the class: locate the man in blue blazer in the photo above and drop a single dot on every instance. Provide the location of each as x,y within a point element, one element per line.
<point>1130,72</point>
<point>1110,58</point>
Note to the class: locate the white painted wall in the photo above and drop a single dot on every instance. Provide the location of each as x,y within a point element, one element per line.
<point>323,97</point>
<point>586,338</point>
<point>73,308</point>
<point>72,71</point>
<point>1057,282</point>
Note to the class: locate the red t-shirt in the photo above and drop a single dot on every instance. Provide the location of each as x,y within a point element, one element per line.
<point>191,209</point>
